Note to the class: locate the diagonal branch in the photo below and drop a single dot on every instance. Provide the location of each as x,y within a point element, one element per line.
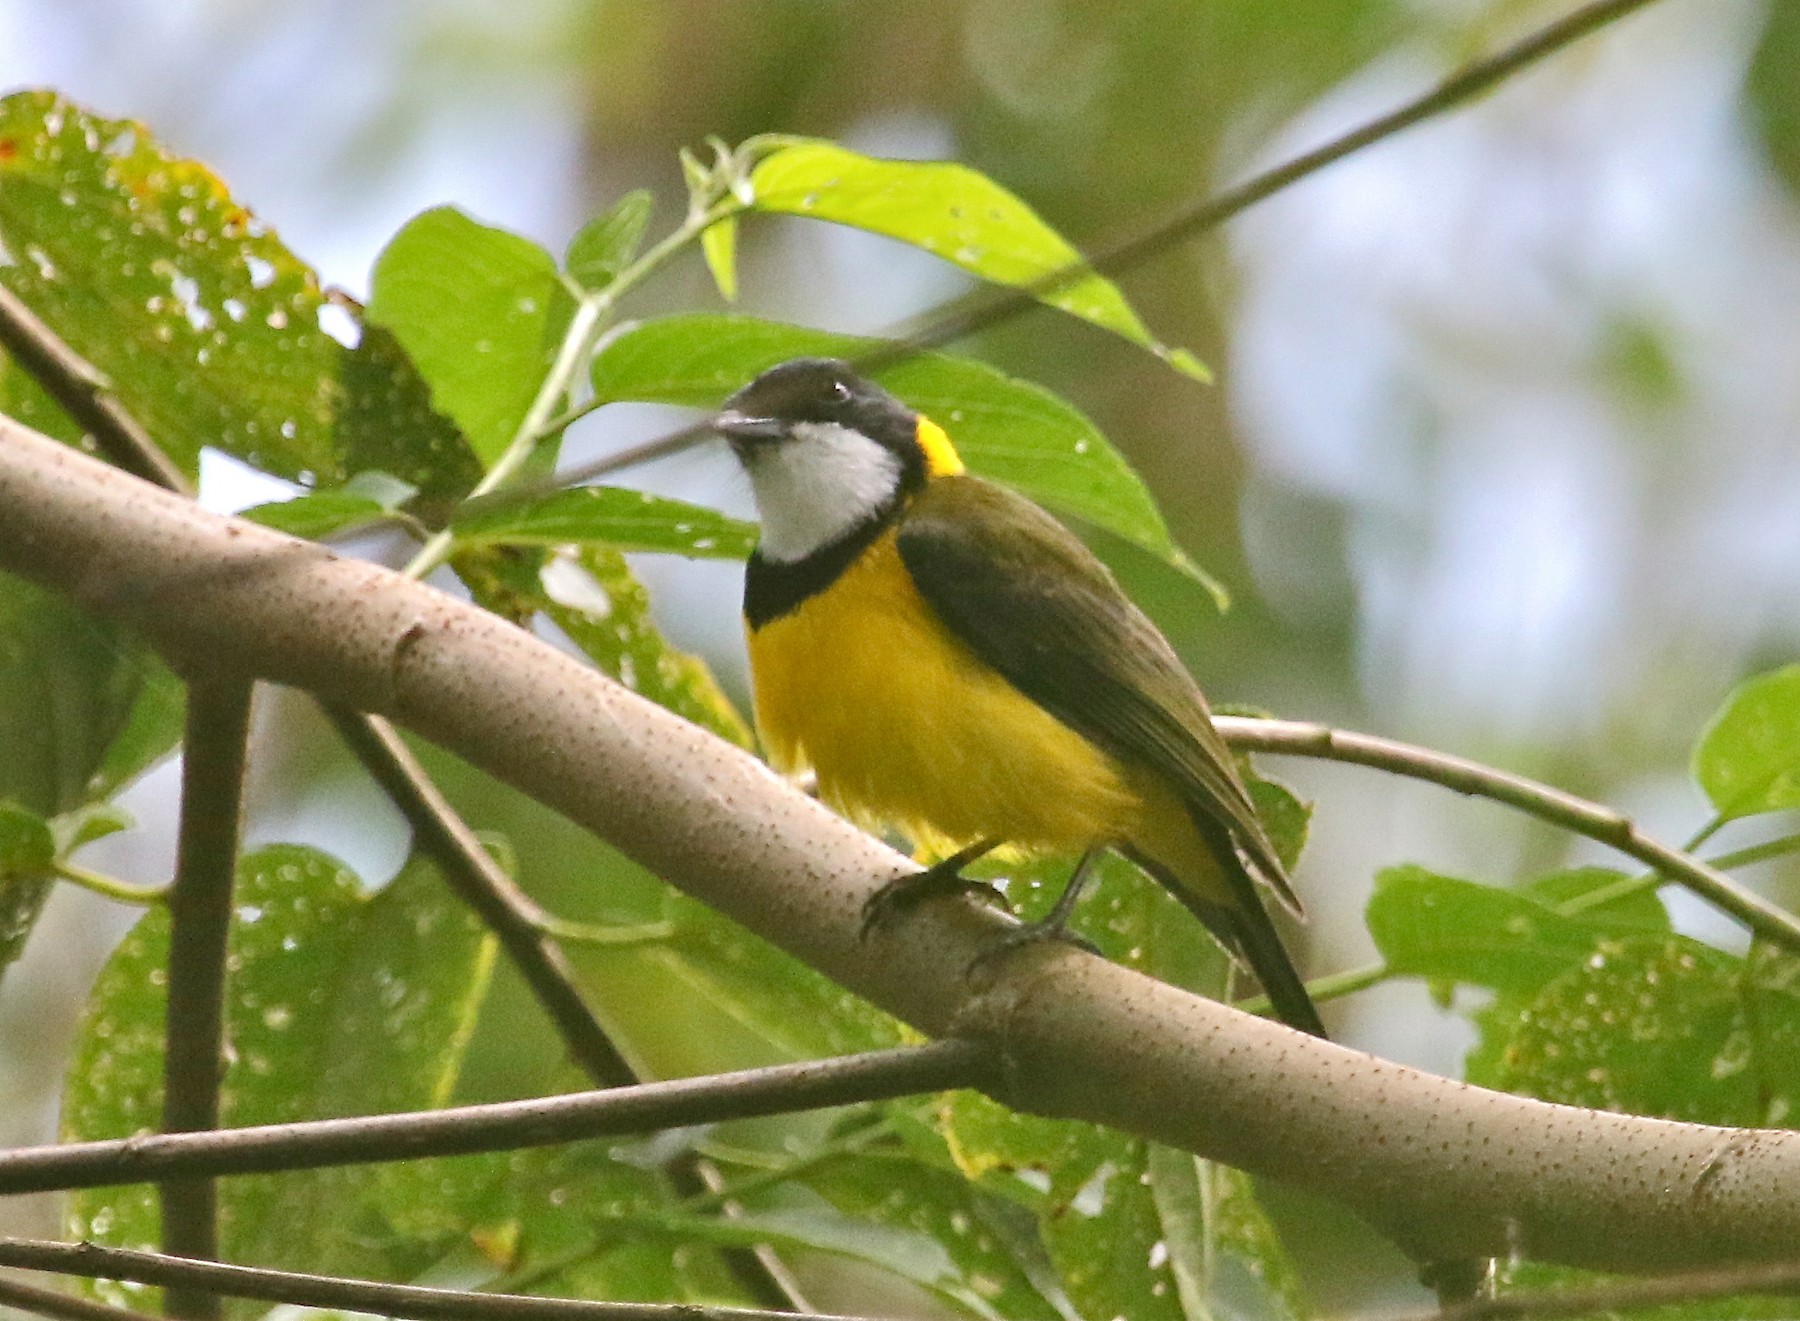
<point>1460,775</point>
<point>501,1125</point>
<point>85,395</point>
<point>1446,1169</point>
<point>212,784</point>
<point>328,1291</point>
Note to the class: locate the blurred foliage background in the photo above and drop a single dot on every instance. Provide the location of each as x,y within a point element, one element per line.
<point>1504,451</point>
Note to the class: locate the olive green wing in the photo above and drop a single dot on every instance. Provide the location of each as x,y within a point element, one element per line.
<point>1022,593</point>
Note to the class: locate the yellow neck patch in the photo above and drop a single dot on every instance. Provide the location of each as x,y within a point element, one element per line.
<point>941,458</point>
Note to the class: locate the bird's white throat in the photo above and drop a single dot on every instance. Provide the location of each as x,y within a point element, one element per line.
<point>816,485</point>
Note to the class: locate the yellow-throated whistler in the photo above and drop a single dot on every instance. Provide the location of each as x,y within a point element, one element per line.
<point>951,661</point>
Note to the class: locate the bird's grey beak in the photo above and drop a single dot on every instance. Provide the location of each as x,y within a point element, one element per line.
<point>743,427</point>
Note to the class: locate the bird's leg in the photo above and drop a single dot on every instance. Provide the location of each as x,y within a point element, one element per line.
<point>1053,925</point>
<point>941,878</point>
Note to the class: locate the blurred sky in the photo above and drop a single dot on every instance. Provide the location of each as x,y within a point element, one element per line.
<point>1502,457</point>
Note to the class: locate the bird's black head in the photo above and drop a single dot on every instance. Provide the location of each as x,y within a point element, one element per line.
<point>829,454</point>
<point>821,391</point>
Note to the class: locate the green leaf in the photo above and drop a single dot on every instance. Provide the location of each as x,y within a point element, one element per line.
<point>606,244</point>
<point>80,827</point>
<point>319,515</point>
<point>1285,815</point>
<point>1748,760</point>
<point>68,684</point>
<point>612,516</point>
<point>1773,93</point>
<point>24,400</point>
<point>27,852</point>
<point>1634,908</point>
<point>366,498</point>
<point>718,242</point>
<point>340,1004</point>
<point>955,213</point>
<point>1226,1256</point>
<point>1662,1026</point>
<point>482,311</point>
<point>1426,925</point>
<point>206,326</point>
<point>891,1214</point>
<point>1005,429</point>
<point>153,727</point>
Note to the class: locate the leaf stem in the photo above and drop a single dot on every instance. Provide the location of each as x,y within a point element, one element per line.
<point>542,420</point>
<point>578,340</point>
<point>1333,987</point>
<point>111,886</point>
<point>603,933</point>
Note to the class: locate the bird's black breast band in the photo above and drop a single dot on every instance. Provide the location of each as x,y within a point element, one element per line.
<point>773,589</point>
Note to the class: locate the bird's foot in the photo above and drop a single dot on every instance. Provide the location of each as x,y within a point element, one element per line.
<point>905,893</point>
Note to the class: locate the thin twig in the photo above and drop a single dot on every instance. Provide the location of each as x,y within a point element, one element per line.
<point>66,1307</point>
<point>327,1291</point>
<point>504,1125</point>
<point>480,882</point>
<point>85,395</point>
<point>991,306</point>
<point>212,783</point>
<point>1302,739</point>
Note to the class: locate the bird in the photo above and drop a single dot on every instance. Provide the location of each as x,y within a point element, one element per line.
<point>951,662</point>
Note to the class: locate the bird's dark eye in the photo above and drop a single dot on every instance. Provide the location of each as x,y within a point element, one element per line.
<point>840,393</point>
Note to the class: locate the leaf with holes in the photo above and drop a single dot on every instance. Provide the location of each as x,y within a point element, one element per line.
<point>1662,1026</point>
<point>205,324</point>
<point>955,213</point>
<point>341,1004</point>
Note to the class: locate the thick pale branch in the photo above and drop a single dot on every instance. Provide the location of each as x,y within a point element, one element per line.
<point>501,1125</point>
<point>1449,1170</point>
<point>338,1294</point>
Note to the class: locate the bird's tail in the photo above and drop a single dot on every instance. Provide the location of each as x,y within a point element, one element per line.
<point>1244,927</point>
<point>1254,936</point>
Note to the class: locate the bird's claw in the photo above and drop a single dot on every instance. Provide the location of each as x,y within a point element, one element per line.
<point>904,893</point>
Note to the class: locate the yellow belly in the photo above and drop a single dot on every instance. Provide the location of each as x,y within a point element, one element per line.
<point>906,728</point>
